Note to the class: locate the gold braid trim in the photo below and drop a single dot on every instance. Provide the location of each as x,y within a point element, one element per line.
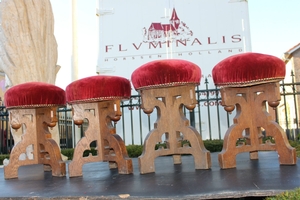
<point>35,106</point>
<point>165,85</point>
<point>249,83</point>
<point>96,99</point>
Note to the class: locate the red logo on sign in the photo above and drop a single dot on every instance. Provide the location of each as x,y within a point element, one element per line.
<point>175,30</point>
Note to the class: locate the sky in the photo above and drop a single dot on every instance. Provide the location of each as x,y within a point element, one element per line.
<point>274,29</point>
<point>274,25</point>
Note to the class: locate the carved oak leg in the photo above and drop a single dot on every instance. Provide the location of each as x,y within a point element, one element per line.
<point>49,151</point>
<point>287,154</point>
<point>36,134</point>
<point>53,158</point>
<point>251,117</point>
<point>75,166</point>
<point>91,112</point>
<point>146,160</point>
<point>119,155</point>
<point>11,170</point>
<point>171,121</point>
<point>227,157</point>
<point>201,156</point>
<point>110,146</point>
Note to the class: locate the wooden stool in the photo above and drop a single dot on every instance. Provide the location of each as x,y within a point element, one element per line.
<point>247,82</point>
<point>32,108</point>
<point>168,85</point>
<point>97,99</point>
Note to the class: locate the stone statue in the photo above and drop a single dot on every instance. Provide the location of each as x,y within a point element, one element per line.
<point>28,48</point>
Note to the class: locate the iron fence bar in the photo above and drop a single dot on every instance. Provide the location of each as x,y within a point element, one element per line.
<point>11,142</point>
<point>228,120</point>
<point>149,123</point>
<point>131,105</point>
<point>82,131</point>
<point>199,110</point>
<point>3,139</point>
<point>218,113</point>
<point>290,84</point>
<point>192,118</point>
<point>123,121</point>
<point>276,116</point>
<point>73,134</point>
<point>67,133</point>
<point>285,108</point>
<point>5,132</point>
<point>294,97</point>
<point>131,119</point>
<point>199,116</point>
<point>140,118</point>
<point>64,111</point>
<point>205,100</point>
<point>208,108</point>
<point>207,90</point>
<point>4,128</point>
<point>291,93</point>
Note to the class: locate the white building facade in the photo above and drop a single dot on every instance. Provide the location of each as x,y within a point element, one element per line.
<point>135,32</point>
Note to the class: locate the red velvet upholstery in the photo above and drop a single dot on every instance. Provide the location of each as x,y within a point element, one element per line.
<point>165,73</point>
<point>248,69</point>
<point>34,94</point>
<point>98,88</point>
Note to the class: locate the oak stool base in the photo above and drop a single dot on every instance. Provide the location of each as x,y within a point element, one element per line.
<point>110,146</point>
<point>32,109</point>
<point>172,123</point>
<point>252,117</point>
<point>96,99</point>
<point>250,82</point>
<point>169,86</point>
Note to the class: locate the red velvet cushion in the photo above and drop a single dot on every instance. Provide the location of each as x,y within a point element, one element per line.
<point>98,88</point>
<point>248,69</point>
<point>165,73</point>
<point>34,94</point>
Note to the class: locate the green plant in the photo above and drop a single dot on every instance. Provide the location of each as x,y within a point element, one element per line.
<point>93,151</point>
<point>298,150</point>
<point>134,151</point>
<point>213,145</point>
<point>294,143</point>
<point>68,152</point>
<point>287,195</point>
<point>268,139</point>
<point>2,157</point>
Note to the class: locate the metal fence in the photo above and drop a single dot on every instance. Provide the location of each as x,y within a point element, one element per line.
<point>6,139</point>
<point>209,118</point>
